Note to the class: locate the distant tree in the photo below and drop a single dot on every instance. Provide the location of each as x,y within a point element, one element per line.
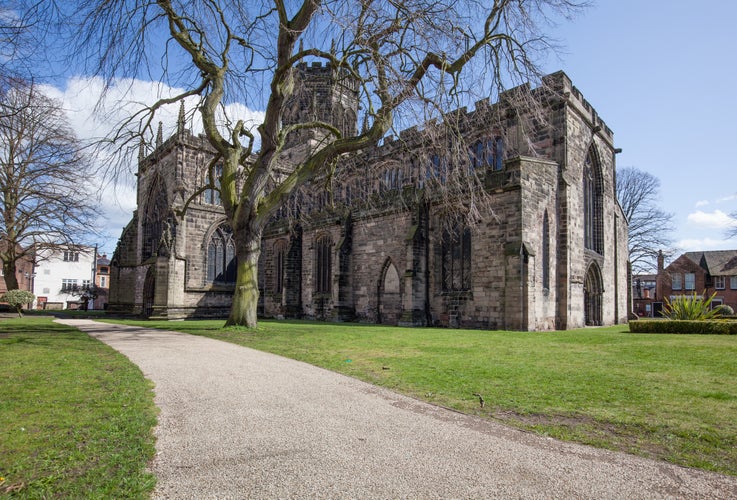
<point>24,25</point>
<point>650,227</point>
<point>416,56</point>
<point>17,299</point>
<point>44,201</point>
<point>731,232</point>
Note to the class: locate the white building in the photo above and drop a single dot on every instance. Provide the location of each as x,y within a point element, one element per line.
<point>62,276</point>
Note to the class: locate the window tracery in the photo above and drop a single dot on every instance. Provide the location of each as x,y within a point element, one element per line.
<point>456,261</point>
<point>221,261</point>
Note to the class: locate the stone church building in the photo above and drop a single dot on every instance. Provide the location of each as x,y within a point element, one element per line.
<point>548,251</point>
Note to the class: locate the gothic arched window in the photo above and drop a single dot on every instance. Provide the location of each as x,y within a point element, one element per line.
<point>221,263</point>
<point>156,208</point>
<point>323,264</point>
<point>593,204</point>
<point>487,153</point>
<point>212,196</point>
<point>280,252</point>
<point>455,251</point>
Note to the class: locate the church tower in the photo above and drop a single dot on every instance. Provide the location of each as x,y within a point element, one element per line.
<point>324,94</point>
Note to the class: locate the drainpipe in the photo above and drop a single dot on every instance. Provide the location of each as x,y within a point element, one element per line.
<point>522,284</point>
<point>616,273</point>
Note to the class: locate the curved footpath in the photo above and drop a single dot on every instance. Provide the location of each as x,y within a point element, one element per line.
<point>239,423</point>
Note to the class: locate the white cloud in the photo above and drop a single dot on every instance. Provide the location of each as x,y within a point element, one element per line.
<point>727,198</point>
<point>95,113</point>
<point>703,244</point>
<point>711,220</point>
<point>702,203</point>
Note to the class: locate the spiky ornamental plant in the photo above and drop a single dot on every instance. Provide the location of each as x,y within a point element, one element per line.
<point>693,307</point>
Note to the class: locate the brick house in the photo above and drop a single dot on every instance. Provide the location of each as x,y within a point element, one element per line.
<point>24,273</point>
<point>552,254</point>
<point>703,273</point>
<point>102,281</point>
<point>644,294</point>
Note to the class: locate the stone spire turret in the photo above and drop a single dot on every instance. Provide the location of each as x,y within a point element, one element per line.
<point>160,135</point>
<point>181,119</point>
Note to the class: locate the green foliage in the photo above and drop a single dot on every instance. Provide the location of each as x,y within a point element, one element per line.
<point>708,327</point>
<point>670,397</point>
<point>76,417</point>
<point>725,310</point>
<point>17,299</point>
<point>693,307</point>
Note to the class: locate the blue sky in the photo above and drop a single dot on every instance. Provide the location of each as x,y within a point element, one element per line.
<point>662,75</point>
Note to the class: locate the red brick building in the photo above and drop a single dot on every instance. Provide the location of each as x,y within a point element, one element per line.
<point>102,281</point>
<point>24,273</point>
<point>704,273</point>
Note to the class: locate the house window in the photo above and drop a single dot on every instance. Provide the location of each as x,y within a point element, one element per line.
<point>86,284</point>
<point>456,261</point>
<point>719,282</point>
<point>690,279</point>
<point>733,282</point>
<point>279,260</point>
<point>676,282</point>
<point>102,282</point>
<point>71,256</point>
<point>323,264</point>
<point>69,285</point>
<point>221,263</point>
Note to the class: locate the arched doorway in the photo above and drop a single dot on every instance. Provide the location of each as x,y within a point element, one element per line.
<point>592,293</point>
<point>149,290</point>
<point>389,300</point>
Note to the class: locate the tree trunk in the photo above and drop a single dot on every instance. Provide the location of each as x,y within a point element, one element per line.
<point>243,311</point>
<point>11,280</point>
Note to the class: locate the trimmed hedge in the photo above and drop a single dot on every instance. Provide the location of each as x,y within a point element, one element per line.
<point>710,327</point>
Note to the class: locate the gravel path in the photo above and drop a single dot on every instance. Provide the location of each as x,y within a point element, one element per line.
<point>239,423</point>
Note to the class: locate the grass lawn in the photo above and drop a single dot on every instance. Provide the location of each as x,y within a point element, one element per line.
<point>76,417</point>
<point>670,397</point>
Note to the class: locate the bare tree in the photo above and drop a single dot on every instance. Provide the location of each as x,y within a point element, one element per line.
<point>402,56</point>
<point>649,227</point>
<point>731,231</point>
<point>43,173</point>
<point>24,25</point>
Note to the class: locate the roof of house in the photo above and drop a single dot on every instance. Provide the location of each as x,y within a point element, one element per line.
<point>716,262</point>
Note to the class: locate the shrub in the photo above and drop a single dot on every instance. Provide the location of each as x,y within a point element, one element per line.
<point>710,327</point>
<point>725,310</point>
<point>17,299</point>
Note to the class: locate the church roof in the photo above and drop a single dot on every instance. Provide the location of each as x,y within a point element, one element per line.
<point>716,262</point>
